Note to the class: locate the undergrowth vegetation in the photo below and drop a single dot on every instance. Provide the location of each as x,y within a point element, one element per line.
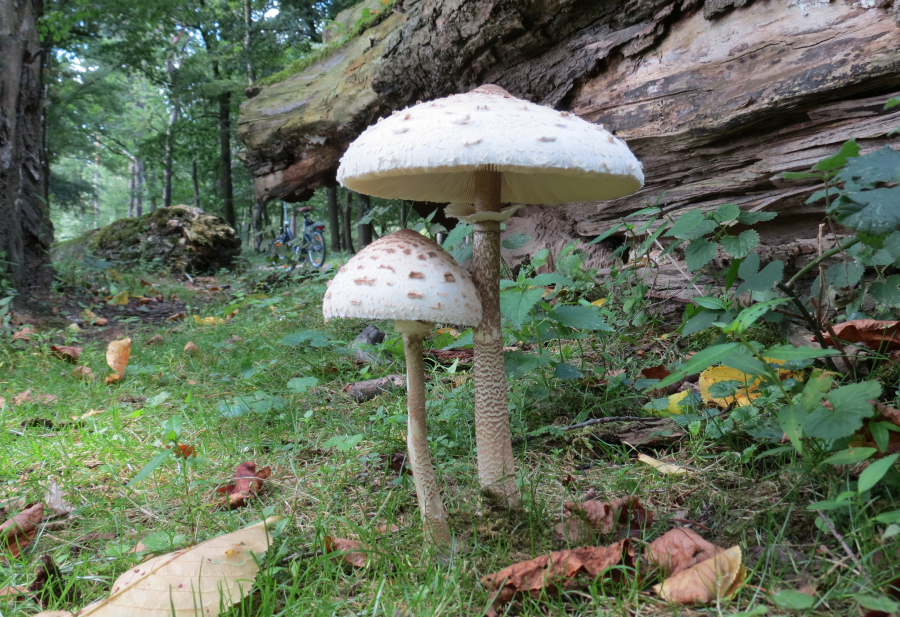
<point>785,450</point>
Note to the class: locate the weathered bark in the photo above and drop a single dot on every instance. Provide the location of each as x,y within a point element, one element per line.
<point>139,187</point>
<point>195,181</point>
<point>25,228</point>
<point>131,168</point>
<point>715,100</point>
<point>169,154</point>
<point>225,182</point>
<point>334,225</point>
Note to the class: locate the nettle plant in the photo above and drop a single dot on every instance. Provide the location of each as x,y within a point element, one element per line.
<point>540,309</point>
<point>861,193</point>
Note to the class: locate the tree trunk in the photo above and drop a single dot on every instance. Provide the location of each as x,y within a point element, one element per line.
<point>25,228</point>
<point>139,187</point>
<point>95,200</point>
<point>131,168</point>
<point>169,154</point>
<point>196,183</point>
<point>716,97</point>
<point>363,230</point>
<point>225,158</point>
<point>151,190</point>
<point>347,223</point>
<point>334,224</point>
<point>256,224</point>
<point>248,41</point>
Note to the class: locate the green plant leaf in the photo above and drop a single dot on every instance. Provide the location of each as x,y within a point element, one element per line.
<point>881,166</point>
<point>550,278</point>
<point>516,305</point>
<point>457,235</point>
<point>709,302</point>
<point>849,150</point>
<point>564,370</point>
<point>818,383</point>
<point>515,241</point>
<point>793,600</point>
<point>606,234</point>
<point>888,291</point>
<point>699,361</point>
<point>881,433</point>
<point>752,218</point>
<point>789,352</point>
<point>740,246</point>
<point>692,224</point>
<point>302,384</point>
<point>758,280</point>
<point>791,419</point>
<point>874,213</point>
<point>579,317</point>
<point>744,361</point>
<point>313,337</point>
<point>872,474</point>
<point>150,467</point>
<point>850,407</point>
<point>750,315</point>
<point>517,364</point>
<point>878,603</point>
<point>725,213</point>
<point>732,274</point>
<point>699,253</point>
<point>850,456</point>
<point>844,275</point>
<point>700,321</point>
<point>889,517</point>
<point>854,399</point>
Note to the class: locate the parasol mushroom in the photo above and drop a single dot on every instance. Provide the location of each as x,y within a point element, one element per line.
<point>412,280</point>
<point>479,150</point>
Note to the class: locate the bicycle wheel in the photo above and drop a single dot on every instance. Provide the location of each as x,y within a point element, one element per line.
<point>316,249</point>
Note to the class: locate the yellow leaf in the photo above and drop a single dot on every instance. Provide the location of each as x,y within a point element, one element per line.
<point>451,331</point>
<point>599,303</point>
<point>117,354</point>
<point>199,580</point>
<point>120,299</point>
<point>743,394</point>
<point>663,468</point>
<point>715,579</point>
<point>208,321</point>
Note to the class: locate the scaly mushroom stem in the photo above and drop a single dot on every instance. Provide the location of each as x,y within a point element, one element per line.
<point>496,465</point>
<point>429,497</point>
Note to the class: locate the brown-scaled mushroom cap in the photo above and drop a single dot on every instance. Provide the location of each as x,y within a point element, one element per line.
<point>403,276</point>
<point>430,151</point>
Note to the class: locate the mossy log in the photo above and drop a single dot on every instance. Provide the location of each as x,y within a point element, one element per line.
<point>716,97</point>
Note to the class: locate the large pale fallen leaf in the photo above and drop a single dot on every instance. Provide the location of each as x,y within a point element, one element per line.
<point>680,549</point>
<point>92,318</point>
<point>156,339</point>
<point>558,570</point>
<point>717,578</point>
<point>584,519</point>
<point>17,532</point>
<point>24,334</point>
<point>663,468</point>
<point>743,393</point>
<point>83,373</point>
<point>120,299</point>
<point>191,348</point>
<point>208,321</point>
<point>117,354</point>
<point>883,335</point>
<point>194,581</point>
<point>248,480</point>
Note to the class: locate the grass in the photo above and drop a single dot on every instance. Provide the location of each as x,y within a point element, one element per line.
<point>330,478</point>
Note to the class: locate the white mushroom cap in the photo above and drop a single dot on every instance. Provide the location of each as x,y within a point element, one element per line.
<point>428,152</point>
<point>403,276</point>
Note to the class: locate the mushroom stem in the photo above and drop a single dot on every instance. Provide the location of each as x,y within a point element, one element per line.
<point>430,506</point>
<point>496,465</point>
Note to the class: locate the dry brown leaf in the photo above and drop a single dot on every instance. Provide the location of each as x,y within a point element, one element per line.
<point>17,532</point>
<point>156,339</point>
<point>176,317</point>
<point>883,335</point>
<point>558,570</point>
<point>680,549</point>
<point>65,352</point>
<point>13,504</point>
<point>191,348</point>
<point>23,397</point>
<point>185,451</point>
<point>715,579</point>
<point>93,319</point>
<point>24,334</point>
<point>384,529</point>
<point>350,549</point>
<point>54,614</point>
<point>55,502</point>
<point>248,482</point>
<point>655,372</point>
<point>199,580</point>
<point>117,353</point>
<point>83,373</point>
<point>14,591</point>
<point>144,301</point>
<point>583,520</point>
<point>663,468</point>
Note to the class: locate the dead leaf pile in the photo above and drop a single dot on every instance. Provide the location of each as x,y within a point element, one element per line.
<point>64,352</point>
<point>248,482</point>
<point>584,520</point>
<point>874,334</point>
<point>350,551</point>
<point>17,532</point>
<point>24,334</point>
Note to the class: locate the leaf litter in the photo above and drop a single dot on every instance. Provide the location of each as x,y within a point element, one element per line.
<point>248,481</point>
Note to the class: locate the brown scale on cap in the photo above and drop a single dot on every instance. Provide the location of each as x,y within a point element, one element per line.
<point>364,281</point>
<point>448,277</point>
<point>416,275</point>
<point>416,295</point>
<point>386,267</point>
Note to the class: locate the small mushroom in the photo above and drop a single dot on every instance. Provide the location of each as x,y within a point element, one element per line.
<point>499,156</point>
<point>412,280</point>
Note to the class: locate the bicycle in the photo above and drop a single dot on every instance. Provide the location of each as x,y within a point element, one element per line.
<point>311,241</point>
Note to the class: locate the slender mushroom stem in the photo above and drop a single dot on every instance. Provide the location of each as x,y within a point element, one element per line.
<point>496,465</point>
<point>430,506</point>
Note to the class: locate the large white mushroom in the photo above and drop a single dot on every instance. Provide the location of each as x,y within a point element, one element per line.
<point>477,151</point>
<point>412,280</point>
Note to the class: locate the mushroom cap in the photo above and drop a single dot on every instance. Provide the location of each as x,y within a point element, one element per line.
<point>429,152</point>
<point>403,276</point>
